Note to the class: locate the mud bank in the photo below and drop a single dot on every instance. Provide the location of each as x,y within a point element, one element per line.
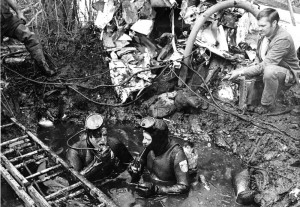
<point>215,165</point>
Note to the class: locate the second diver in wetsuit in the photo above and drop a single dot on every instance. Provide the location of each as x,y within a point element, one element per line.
<point>163,158</point>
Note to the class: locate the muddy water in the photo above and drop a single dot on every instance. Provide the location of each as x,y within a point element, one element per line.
<point>215,165</point>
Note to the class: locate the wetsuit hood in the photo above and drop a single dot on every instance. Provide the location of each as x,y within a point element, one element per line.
<point>159,132</point>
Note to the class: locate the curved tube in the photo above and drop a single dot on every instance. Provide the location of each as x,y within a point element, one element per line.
<point>201,20</point>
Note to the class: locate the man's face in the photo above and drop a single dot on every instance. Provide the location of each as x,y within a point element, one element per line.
<point>147,139</point>
<point>265,27</point>
<point>96,137</point>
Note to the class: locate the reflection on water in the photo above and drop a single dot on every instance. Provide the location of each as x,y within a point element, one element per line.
<point>215,165</point>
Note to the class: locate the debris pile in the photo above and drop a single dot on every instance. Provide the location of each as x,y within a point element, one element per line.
<point>138,52</point>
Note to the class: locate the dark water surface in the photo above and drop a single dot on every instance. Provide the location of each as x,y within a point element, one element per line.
<point>215,165</point>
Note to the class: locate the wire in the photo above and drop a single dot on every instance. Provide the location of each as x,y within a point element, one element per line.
<point>245,118</point>
<point>34,81</point>
<point>78,85</point>
<point>130,77</point>
<point>105,104</point>
<point>78,148</point>
<point>68,79</point>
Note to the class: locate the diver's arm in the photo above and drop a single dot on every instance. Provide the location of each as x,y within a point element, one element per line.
<point>88,169</point>
<point>181,172</point>
<point>120,151</point>
<point>74,159</point>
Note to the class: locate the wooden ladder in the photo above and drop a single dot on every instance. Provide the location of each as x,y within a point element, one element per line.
<point>26,149</point>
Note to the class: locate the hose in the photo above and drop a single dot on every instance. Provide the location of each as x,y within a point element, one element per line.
<point>78,148</point>
<point>201,20</point>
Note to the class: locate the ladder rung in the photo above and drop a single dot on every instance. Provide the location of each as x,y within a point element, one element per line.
<point>72,195</point>
<point>13,140</point>
<point>26,155</point>
<point>43,171</point>
<point>19,142</point>
<point>39,158</point>
<point>21,147</point>
<point>49,177</point>
<point>64,190</point>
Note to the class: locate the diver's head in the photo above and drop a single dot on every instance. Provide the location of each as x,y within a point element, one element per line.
<point>155,132</point>
<point>95,129</point>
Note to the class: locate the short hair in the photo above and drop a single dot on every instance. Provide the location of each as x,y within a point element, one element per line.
<point>272,15</point>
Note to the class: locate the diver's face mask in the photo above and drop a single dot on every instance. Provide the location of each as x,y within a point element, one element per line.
<point>97,134</point>
<point>98,137</point>
<point>155,132</point>
<point>147,124</point>
<point>147,139</point>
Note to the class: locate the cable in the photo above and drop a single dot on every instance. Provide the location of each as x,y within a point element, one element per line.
<point>105,104</point>
<point>232,113</point>
<point>68,79</point>
<point>130,77</point>
<point>78,85</point>
<point>78,148</point>
<point>34,81</point>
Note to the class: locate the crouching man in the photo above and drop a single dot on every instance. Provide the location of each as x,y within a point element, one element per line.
<point>276,59</point>
<point>97,155</point>
<point>163,158</point>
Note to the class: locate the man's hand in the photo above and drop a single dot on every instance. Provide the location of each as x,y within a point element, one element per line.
<point>135,170</point>
<point>135,166</point>
<point>234,74</point>
<point>146,189</point>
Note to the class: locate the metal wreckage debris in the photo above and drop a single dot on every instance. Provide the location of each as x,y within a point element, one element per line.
<point>140,54</point>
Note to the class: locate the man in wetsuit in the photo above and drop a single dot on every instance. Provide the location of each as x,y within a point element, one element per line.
<point>97,155</point>
<point>164,159</point>
<point>14,27</point>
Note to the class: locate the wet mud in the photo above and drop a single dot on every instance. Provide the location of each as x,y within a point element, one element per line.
<point>214,165</point>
